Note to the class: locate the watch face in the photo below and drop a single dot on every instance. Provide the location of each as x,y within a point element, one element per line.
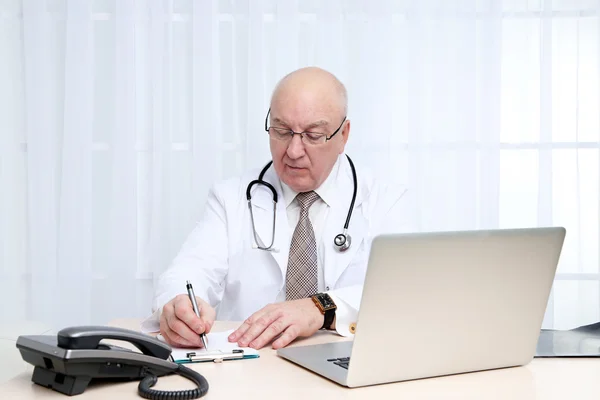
<point>326,302</point>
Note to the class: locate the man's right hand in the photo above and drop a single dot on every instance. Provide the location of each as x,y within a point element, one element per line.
<point>179,324</point>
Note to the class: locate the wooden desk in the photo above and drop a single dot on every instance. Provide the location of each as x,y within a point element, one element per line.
<point>270,377</point>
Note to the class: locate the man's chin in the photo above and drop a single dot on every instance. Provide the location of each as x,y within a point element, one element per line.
<point>299,184</point>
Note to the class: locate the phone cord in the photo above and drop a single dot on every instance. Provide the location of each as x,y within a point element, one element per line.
<point>150,380</point>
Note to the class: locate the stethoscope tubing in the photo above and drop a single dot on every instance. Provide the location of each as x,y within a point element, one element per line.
<point>345,243</point>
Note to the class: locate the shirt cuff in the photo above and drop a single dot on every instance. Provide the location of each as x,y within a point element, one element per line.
<point>152,323</point>
<point>345,317</point>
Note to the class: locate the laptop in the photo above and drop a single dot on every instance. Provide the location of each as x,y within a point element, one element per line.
<point>443,303</point>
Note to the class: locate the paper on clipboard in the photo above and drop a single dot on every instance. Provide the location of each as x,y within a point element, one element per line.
<point>219,348</point>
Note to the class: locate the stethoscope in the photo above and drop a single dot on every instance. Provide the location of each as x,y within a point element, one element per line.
<point>342,241</point>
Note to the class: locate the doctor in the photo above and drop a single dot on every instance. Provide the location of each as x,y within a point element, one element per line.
<point>282,266</point>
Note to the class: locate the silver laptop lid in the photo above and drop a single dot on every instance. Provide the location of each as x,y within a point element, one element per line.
<point>451,302</point>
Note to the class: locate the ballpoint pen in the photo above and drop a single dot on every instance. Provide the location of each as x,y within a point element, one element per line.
<point>192,296</point>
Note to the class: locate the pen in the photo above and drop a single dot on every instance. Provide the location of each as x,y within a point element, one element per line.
<point>192,296</point>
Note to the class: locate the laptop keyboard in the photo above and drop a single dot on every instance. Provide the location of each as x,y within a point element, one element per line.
<point>342,361</point>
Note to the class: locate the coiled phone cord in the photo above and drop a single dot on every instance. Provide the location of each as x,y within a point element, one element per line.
<point>150,380</point>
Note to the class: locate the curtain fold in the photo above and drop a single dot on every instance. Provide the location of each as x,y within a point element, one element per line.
<point>44,138</point>
<point>74,260</point>
<point>127,112</point>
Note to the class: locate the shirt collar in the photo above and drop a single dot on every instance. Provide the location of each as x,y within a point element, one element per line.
<point>326,191</point>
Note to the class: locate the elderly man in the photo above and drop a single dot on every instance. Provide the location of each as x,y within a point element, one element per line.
<point>279,263</point>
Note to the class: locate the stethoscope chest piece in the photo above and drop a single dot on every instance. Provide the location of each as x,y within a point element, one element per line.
<point>342,241</point>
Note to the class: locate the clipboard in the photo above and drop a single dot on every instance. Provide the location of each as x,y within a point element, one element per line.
<point>219,350</point>
<point>214,356</point>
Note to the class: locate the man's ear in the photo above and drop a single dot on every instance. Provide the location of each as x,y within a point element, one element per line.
<point>345,135</point>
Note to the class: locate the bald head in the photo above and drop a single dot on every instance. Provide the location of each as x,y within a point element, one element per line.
<point>313,101</point>
<point>313,81</point>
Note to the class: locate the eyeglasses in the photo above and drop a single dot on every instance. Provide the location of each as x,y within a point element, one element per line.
<point>311,138</point>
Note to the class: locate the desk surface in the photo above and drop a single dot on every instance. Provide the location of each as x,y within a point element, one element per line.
<point>270,377</point>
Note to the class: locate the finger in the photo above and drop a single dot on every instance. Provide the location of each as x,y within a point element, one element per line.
<point>272,331</point>
<point>235,335</point>
<point>172,338</point>
<point>187,336</point>
<point>209,326</point>
<point>242,329</point>
<point>258,327</point>
<point>185,312</point>
<point>179,327</point>
<point>286,338</point>
<point>207,315</point>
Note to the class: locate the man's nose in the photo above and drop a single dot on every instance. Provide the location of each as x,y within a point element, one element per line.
<point>295,148</point>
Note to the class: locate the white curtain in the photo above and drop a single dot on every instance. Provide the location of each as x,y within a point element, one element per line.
<point>117,115</point>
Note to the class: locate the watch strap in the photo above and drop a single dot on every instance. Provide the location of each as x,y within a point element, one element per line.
<point>328,320</point>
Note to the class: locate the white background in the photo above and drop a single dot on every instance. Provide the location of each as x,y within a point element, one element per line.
<point>117,116</point>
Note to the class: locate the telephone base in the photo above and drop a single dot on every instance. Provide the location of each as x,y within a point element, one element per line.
<point>65,384</point>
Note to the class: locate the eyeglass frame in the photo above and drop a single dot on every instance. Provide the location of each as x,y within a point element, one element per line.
<point>302,133</point>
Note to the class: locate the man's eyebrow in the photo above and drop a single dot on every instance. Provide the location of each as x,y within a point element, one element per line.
<point>316,124</point>
<point>280,121</point>
<point>312,125</point>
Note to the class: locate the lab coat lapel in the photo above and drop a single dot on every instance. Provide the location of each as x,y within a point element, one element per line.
<point>262,201</point>
<point>335,262</point>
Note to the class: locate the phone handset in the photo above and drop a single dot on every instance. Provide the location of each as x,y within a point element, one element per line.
<point>89,337</point>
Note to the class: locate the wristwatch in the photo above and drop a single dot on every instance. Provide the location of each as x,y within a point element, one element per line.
<point>327,307</point>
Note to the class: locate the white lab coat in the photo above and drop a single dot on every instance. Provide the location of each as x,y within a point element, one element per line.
<point>220,259</point>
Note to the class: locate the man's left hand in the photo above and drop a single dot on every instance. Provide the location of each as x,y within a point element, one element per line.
<point>291,319</point>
